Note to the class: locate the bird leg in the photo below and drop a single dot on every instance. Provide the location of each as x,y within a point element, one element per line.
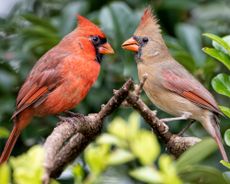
<point>185,116</point>
<point>186,128</point>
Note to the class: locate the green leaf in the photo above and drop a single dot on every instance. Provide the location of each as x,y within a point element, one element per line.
<point>227,137</point>
<point>78,172</point>
<point>5,174</point>
<point>220,56</point>
<point>37,21</point>
<point>68,15</point>
<point>225,110</point>
<point>202,175</point>
<point>220,48</point>
<point>147,174</point>
<point>168,170</point>
<point>4,133</point>
<point>145,146</point>
<point>97,157</point>
<point>28,168</point>
<point>118,127</point>
<point>218,40</point>
<point>111,139</point>
<point>221,84</point>
<point>189,35</point>
<point>53,181</point>
<point>201,150</point>
<point>112,20</point>
<point>38,31</point>
<point>133,125</point>
<point>120,156</point>
<point>226,164</point>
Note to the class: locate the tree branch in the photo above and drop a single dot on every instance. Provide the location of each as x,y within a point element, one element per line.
<point>72,135</point>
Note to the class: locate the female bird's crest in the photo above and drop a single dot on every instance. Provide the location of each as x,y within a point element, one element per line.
<point>148,24</point>
<point>86,27</point>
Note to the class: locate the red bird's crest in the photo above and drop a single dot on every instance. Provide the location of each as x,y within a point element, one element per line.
<point>87,27</point>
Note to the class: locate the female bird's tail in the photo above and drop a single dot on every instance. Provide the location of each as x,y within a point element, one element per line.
<point>217,136</point>
<point>10,143</point>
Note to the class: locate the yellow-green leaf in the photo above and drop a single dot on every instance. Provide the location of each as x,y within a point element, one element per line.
<point>4,133</point>
<point>220,56</point>
<point>133,125</point>
<point>168,170</point>
<point>225,110</point>
<point>97,157</point>
<point>28,167</point>
<point>226,164</point>
<point>145,146</point>
<point>118,127</point>
<point>218,40</point>
<point>120,156</point>
<point>4,174</point>
<point>147,174</point>
<point>111,139</point>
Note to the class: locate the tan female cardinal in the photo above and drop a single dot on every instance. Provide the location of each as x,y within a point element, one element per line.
<point>169,85</point>
<point>61,78</point>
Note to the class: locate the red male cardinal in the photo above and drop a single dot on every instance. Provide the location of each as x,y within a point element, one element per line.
<point>169,85</point>
<point>61,78</point>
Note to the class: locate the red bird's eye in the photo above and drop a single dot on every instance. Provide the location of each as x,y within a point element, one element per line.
<point>95,40</point>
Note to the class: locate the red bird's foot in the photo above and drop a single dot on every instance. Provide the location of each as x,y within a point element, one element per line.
<point>66,119</point>
<point>74,114</point>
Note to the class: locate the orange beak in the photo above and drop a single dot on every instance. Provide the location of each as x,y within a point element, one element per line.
<point>106,49</point>
<point>131,45</point>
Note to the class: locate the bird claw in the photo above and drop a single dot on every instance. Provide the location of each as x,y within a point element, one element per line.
<point>166,128</point>
<point>75,114</point>
<point>65,119</point>
<point>154,112</point>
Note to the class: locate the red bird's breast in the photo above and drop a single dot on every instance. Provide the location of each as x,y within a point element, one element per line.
<point>77,76</point>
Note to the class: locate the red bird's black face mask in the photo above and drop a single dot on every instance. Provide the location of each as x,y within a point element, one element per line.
<point>101,46</point>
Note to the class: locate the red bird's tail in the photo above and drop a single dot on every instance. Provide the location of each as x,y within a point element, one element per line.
<point>10,143</point>
<point>20,122</point>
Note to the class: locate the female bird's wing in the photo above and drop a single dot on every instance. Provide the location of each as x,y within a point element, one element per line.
<point>185,85</point>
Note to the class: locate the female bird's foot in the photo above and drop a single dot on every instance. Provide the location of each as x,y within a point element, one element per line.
<point>185,116</point>
<point>186,128</point>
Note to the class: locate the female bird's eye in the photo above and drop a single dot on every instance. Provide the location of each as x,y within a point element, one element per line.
<point>145,39</point>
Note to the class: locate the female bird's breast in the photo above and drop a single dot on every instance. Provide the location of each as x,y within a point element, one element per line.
<point>164,99</point>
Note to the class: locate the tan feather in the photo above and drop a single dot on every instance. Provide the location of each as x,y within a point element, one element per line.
<point>148,19</point>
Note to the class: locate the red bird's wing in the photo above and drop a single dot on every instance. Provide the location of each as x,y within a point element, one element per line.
<point>42,80</point>
<point>184,84</point>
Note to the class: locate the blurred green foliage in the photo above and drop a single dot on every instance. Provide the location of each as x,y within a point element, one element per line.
<point>126,153</point>
<point>221,82</point>
<point>33,27</point>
